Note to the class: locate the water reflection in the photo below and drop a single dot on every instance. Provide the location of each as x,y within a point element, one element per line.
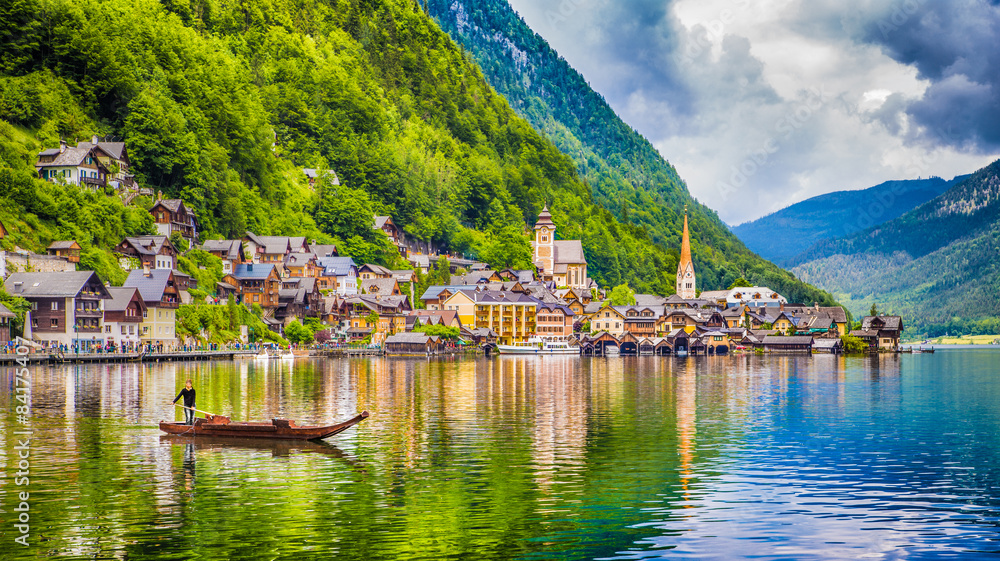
<point>525,457</point>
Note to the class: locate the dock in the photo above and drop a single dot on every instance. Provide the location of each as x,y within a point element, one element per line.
<point>113,358</point>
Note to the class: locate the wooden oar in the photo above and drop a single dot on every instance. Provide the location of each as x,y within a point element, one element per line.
<point>193,409</point>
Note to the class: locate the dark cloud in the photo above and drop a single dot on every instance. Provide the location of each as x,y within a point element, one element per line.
<point>955,44</point>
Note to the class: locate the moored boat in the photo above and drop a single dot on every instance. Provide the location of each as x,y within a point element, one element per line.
<point>536,346</point>
<point>218,425</point>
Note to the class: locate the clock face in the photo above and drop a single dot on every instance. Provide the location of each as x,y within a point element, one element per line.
<point>689,275</point>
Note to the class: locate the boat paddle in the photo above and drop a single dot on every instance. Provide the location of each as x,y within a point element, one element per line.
<point>195,410</point>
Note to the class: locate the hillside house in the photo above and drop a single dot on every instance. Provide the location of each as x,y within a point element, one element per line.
<point>301,265</point>
<point>150,252</point>
<point>231,252</point>
<point>257,283</point>
<point>114,157</point>
<point>66,308</point>
<point>380,287</point>
<point>338,274</point>
<point>172,215</point>
<point>66,249</point>
<point>73,165</point>
<point>313,175</point>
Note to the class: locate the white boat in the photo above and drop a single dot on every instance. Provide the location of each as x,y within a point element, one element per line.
<point>262,355</point>
<point>288,355</point>
<point>611,350</point>
<point>536,346</point>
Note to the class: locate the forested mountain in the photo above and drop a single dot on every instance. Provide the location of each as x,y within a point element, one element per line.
<point>783,235</point>
<point>936,265</point>
<point>222,104</point>
<point>625,173</point>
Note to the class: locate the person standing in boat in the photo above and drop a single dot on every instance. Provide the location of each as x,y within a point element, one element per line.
<point>188,394</point>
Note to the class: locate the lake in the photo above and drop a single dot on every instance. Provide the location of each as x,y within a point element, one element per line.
<point>778,457</point>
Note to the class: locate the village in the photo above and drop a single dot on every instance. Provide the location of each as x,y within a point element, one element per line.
<point>288,280</point>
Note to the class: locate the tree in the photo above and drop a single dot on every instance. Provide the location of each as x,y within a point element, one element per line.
<point>298,333</point>
<point>372,321</point>
<point>440,330</point>
<point>179,242</point>
<point>874,310</point>
<point>739,282</point>
<point>622,295</point>
<point>853,345</point>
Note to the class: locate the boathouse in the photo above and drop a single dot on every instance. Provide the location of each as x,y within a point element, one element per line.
<point>788,344</point>
<point>412,343</point>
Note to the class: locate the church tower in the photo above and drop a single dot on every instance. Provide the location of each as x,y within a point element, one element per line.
<point>685,268</point>
<point>545,239</point>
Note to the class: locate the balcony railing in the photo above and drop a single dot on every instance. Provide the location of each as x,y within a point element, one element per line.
<point>89,313</point>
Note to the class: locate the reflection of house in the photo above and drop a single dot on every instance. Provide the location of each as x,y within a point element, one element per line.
<point>172,215</point>
<point>68,250</point>
<point>162,298</point>
<point>152,252</point>
<point>66,308</point>
<point>123,316</point>
<point>559,261</point>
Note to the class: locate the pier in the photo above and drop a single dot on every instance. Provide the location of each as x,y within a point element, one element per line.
<point>169,356</point>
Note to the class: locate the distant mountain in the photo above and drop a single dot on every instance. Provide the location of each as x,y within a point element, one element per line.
<point>783,235</point>
<point>937,265</point>
<point>626,175</point>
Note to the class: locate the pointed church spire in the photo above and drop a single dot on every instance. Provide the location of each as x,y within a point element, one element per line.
<point>685,267</point>
<point>685,243</point>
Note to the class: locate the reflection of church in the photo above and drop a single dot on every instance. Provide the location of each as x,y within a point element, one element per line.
<point>559,261</point>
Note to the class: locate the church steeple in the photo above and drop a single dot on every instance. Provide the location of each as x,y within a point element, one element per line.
<point>685,267</point>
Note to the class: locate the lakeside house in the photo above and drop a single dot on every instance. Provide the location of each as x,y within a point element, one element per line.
<point>123,316</point>
<point>6,319</point>
<point>66,308</point>
<point>161,296</point>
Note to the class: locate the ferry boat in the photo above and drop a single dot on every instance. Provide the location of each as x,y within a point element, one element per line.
<point>536,346</point>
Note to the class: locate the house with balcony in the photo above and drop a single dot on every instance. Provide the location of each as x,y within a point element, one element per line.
<point>256,283</point>
<point>73,165</point>
<point>123,317</point>
<point>160,293</point>
<point>554,322</point>
<point>511,315</point>
<point>301,265</point>
<point>146,252</point>
<point>172,215</point>
<point>66,308</point>
<point>114,157</point>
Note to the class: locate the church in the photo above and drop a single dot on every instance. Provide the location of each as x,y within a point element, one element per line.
<point>559,261</point>
<point>685,267</point>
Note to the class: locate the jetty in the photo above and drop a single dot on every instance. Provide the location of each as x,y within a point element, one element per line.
<point>55,357</point>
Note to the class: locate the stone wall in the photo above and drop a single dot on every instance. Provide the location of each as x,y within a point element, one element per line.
<point>20,263</point>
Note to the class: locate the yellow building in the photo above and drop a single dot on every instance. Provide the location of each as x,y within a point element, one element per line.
<point>609,320</point>
<point>463,303</point>
<point>510,315</point>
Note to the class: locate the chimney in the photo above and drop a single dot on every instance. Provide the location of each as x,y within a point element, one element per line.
<point>781,306</point>
<point>62,146</point>
<point>816,306</point>
<point>94,140</point>
<point>159,196</point>
<point>145,269</point>
<point>18,287</point>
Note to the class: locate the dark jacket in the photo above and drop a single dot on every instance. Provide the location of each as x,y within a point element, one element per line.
<point>188,397</point>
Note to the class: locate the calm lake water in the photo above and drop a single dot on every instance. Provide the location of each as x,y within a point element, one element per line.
<point>892,457</point>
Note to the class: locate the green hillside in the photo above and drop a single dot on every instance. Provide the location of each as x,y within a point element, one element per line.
<point>781,236</point>
<point>624,172</point>
<point>937,265</point>
<point>223,104</point>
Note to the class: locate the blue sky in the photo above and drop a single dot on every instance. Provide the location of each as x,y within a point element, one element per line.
<point>763,103</point>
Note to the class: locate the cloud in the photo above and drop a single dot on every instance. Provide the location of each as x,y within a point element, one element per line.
<point>762,104</point>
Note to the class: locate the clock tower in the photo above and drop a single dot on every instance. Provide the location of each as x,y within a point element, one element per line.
<point>545,240</point>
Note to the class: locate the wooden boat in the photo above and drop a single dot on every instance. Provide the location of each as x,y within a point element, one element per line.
<point>218,425</point>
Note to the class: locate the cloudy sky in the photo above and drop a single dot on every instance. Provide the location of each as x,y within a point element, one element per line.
<point>763,103</point>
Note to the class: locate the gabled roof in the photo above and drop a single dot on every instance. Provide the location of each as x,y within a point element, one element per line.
<point>433,292</point>
<point>53,285</point>
<point>299,259</point>
<point>889,323</point>
<point>149,245</point>
<point>323,250</point>
<point>569,252</point>
<point>412,337</point>
<point>313,173</point>
<point>382,287</point>
<point>377,269</point>
<point>5,313</point>
<point>64,244</point>
<point>276,244</point>
<point>151,285</point>
<point>787,340</point>
<point>381,221</point>
<point>173,205</point>
<point>71,156</point>
<point>229,248</point>
<point>121,297</point>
